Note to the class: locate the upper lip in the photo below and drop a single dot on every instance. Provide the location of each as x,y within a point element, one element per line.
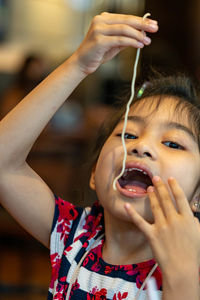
<point>140,167</point>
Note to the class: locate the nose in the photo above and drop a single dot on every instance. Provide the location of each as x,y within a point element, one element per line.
<point>142,149</point>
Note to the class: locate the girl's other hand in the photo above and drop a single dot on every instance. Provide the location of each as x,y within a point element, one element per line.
<point>108,35</point>
<point>174,236</point>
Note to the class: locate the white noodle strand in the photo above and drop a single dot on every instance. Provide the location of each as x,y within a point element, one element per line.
<point>127,112</point>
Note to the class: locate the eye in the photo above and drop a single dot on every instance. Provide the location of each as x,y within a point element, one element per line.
<point>173,145</point>
<point>128,136</point>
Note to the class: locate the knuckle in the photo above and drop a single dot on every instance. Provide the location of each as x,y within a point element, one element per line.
<point>155,206</point>
<point>144,21</point>
<point>120,40</point>
<point>141,35</point>
<point>163,193</point>
<point>96,28</point>
<point>98,39</point>
<point>104,14</point>
<point>123,29</point>
<point>100,18</point>
<point>163,229</point>
<point>126,17</point>
<point>96,19</point>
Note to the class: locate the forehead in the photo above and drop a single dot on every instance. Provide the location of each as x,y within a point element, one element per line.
<point>161,109</point>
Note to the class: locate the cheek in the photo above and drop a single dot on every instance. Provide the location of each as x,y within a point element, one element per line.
<point>107,158</point>
<point>106,168</point>
<point>186,173</point>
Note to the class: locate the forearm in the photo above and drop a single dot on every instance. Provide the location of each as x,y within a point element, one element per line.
<point>182,286</point>
<point>21,127</point>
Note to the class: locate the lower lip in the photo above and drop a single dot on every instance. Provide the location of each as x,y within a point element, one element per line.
<point>135,193</point>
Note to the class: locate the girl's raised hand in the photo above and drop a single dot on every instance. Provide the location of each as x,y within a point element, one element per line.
<point>174,236</point>
<point>108,35</point>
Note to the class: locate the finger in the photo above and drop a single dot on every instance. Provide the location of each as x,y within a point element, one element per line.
<point>139,23</point>
<point>155,206</point>
<point>196,221</point>
<point>164,197</point>
<point>119,41</point>
<point>144,226</point>
<point>179,196</point>
<point>125,30</point>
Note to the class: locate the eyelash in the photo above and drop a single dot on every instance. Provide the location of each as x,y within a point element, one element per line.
<point>174,145</point>
<point>177,146</point>
<point>128,136</point>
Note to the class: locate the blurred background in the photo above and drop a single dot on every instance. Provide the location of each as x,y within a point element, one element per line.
<point>35,37</point>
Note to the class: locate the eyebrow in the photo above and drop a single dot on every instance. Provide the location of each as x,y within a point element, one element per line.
<point>169,125</point>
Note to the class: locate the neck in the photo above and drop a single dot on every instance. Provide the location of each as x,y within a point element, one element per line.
<point>126,245</point>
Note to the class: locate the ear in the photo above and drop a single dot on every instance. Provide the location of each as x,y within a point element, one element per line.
<point>92,179</point>
<point>195,203</point>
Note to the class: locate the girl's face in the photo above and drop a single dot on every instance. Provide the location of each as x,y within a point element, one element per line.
<point>159,142</point>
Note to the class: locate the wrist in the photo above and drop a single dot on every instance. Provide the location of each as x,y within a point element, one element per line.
<point>72,64</point>
<point>80,66</point>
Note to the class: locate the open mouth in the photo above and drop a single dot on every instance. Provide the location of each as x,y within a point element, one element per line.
<point>134,181</point>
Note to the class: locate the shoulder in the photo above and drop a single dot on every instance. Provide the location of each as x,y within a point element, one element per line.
<point>65,211</point>
<point>72,222</point>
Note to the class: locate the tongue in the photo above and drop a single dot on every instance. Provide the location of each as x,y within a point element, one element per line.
<point>137,187</point>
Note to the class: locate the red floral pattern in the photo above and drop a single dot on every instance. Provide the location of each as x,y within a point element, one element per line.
<point>120,296</point>
<point>67,214</point>
<point>55,262</point>
<point>142,270</point>
<point>97,295</point>
<point>61,289</point>
<point>92,226</point>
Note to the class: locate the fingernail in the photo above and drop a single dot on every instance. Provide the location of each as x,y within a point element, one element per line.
<point>127,205</point>
<point>140,45</point>
<point>153,26</point>
<point>150,189</point>
<point>171,178</point>
<point>147,40</point>
<point>156,178</point>
<point>153,22</point>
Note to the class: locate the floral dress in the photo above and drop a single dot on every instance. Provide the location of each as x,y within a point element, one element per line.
<point>74,231</point>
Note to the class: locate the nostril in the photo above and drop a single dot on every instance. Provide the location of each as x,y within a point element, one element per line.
<point>141,153</point>
<point>147,154</point>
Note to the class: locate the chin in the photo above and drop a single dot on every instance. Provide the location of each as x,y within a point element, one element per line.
<point>115,208</point>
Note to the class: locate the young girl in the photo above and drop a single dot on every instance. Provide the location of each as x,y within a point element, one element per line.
<point>108,251</point>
